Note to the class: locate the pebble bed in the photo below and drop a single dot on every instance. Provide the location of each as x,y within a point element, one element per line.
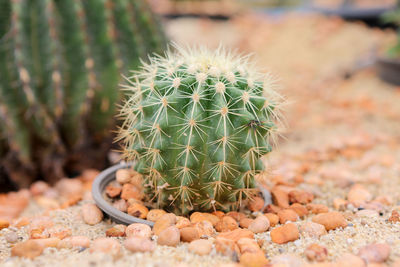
<point>356,117</point>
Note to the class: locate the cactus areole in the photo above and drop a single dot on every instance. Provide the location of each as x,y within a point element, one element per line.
<point>197,123</point>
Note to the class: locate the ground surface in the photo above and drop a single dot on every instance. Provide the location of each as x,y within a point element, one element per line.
<point>343,127</point>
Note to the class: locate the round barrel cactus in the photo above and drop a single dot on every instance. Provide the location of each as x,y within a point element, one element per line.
<point>60,64</point>
<point>197,123</point>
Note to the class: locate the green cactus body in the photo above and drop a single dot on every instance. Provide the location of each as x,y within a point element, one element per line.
<point>60,64</point>
<point>197,123</point>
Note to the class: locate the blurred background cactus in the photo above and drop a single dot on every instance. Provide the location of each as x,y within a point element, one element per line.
<point>393,17</point>
<point>60,65</point>
<point>198,122</point>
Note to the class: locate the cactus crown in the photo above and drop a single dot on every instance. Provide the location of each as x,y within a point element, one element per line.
<point>197,122</point>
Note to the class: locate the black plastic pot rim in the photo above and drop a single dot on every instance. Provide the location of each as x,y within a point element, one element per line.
<point>388,60</point>
<point>351,12</point>
<point>388,70</point>
<point>108,175</point>
<point>100,183</point>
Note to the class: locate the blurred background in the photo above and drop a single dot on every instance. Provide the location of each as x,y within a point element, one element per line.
<point>336,61</point>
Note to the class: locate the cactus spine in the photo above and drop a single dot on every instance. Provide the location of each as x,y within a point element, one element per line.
<point>60,62</point>
<point>197,122</point>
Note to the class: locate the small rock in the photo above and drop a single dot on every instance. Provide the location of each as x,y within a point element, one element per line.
<point>226,246</point>
<point>41,222</point>
<point>38,233</point>
<point>287,215</point>
<point>395,263</point>
<point>113,191</point>
<point>374,253</point>
<point>39,227</point>
<point>367,213</point>
<point>200,247</point>
<point>287,260</point>
<point>280,198</point>
<point>155,214</point>
<point>313,230</point>
<point>21,222</point>
<point>253,259</point>
<point>106,245</point>
<point>270,208</point>
<point>348,215</point>
<point>317,208</point>
<point>202,216</point>
<point>139,244</point>
<point>116,231</point>
<point>384,200</point>
<point>301,197</point>
<point>71,200</point>
<point>299,209</point>
<point>138,230</point>
<point>48,242</point>
<point>256,204</point>
<point>47,203</point>
<point>123,176</point>
<point>350,260</point>
<point>91,214</point>
<point>331,220</point>
<point>132,201</point>
<point>227,223</point>
<point>272,218</point>
<point>237,234</point>
<point>245,222</point>
<point>74,241</point>
<point>138,210</point>
<point>130,191</point>
<point>4,224</point>
<point>169,237</point>
<point>121,205</point>
<point>164,222</point>
<point>182,222</point>
<point>373,205</point>
<point>218,213</point>
<point>339,204</point>
<point>60,232</point>
<point>248,245</point>
<point>29,249</point>
<point>38,188</point>
<point>89,175</point>
<point>51,193</point>
<point>11,237</point>
<point>259,225</point>
<point>205,228</point>
<point>69,187</point>
<point>136,179</point>
<point>188,234</point>
<point>284,234</point>
<point>236,215</point>
<point>358,195</point>
<point>395,217</point>
<point>315,252</point>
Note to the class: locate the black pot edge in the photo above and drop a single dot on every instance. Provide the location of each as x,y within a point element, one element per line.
<point>388,70</point>
<point>99,184</point>
<point>352,12</point>
<point>107,175</point>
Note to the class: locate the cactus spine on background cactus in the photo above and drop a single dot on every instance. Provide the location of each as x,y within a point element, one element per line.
<point>60,64</point>
<point>197,122</point>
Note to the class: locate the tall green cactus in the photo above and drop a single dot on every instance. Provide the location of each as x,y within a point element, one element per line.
<point>197,123</point>
<point>60,64</point>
